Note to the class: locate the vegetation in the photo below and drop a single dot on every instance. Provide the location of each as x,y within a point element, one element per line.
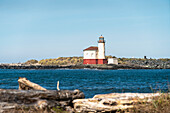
<point>32,61</point>
<point>159,104</point>
<point>58,109</point>
<point>62,61</point>
<point>79,60</point>
<point>164,59</point>
<point>110,57</point>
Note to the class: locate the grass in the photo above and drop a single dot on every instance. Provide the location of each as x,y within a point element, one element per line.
<point>58,109</point>
<point>79,60</point>
<point>160,104</point>
<point>62,61</point>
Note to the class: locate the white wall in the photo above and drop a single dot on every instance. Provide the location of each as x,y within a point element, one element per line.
<point>90,54</point>
<point>101,50</point>
<point>112,61</point>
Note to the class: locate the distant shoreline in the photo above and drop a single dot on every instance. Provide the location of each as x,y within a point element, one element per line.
<point>81,66</point>
<point>77,63</point>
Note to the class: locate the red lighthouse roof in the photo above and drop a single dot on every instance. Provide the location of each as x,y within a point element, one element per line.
<point>101,36</point>
<point>91,48</point>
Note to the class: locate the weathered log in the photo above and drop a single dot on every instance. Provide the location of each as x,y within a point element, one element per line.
<point>25,84</point>
<point>111,102</point>
<point>12,99</point>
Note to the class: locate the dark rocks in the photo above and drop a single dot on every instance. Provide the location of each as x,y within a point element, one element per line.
<point>151,63</point>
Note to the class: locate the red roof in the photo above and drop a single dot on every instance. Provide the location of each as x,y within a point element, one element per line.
<point>101,36</point>
<point>91,48</point>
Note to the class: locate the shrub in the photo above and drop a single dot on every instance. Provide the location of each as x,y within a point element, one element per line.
<point>159,104</point>
<point>32,61</point>
<point>62,61</point>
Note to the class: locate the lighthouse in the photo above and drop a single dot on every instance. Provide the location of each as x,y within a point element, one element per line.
<point>101,50</point>
<point>95,55</point>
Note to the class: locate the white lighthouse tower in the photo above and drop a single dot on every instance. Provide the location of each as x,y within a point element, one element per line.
<point>101,50</point>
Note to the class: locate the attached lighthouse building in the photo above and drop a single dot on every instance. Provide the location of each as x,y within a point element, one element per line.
<point>95,55</point>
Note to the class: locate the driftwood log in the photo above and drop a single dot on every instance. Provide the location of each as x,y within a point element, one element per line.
<point>108,103</point>
<point>25,84</point>
<point>33,98</point>
<point>11,99</point>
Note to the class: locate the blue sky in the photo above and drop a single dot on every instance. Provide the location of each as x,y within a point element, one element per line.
<point>40,29</point>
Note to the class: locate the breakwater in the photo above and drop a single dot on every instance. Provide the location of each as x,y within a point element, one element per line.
<point>150,63</point>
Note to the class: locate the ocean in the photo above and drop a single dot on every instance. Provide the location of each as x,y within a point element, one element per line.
<point>91,81</point>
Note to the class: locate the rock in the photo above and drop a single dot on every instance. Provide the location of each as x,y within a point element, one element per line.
<point>111,102</point>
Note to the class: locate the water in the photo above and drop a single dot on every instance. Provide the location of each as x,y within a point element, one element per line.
<point>91,82</point>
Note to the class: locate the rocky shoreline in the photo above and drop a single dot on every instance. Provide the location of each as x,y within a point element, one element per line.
<point>81,66</point>
<point>124,63</point>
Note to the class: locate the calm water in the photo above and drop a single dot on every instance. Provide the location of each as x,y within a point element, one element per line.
<point>91,82</point>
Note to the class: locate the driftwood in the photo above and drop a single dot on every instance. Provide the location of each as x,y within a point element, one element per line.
<point>12,100</point>
<point>35,98</point>
<point>58,86</point>
<point>25,84</point>
<point>111,102</point>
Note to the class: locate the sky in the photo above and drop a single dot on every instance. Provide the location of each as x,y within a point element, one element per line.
<point>41,29</point>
